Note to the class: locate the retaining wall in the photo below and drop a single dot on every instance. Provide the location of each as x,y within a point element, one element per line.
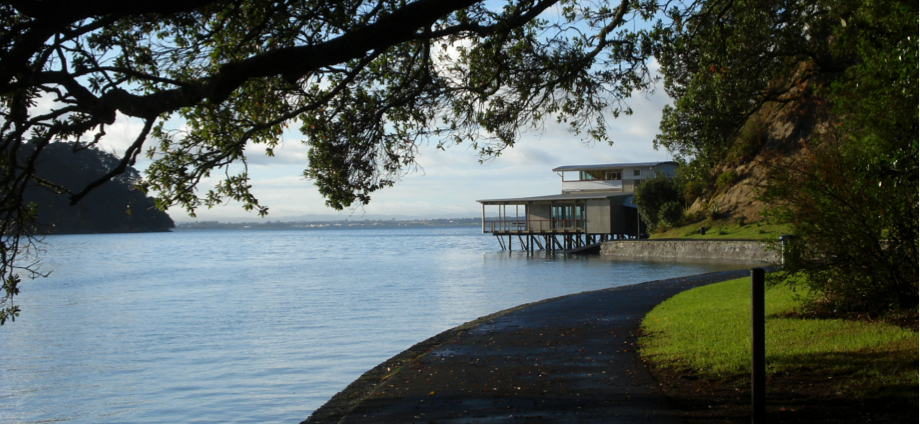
<point>688,248</point>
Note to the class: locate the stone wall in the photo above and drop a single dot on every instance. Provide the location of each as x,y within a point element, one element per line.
<point>689,249</point>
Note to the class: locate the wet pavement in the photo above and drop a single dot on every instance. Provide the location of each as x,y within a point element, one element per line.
<point>565,360</point>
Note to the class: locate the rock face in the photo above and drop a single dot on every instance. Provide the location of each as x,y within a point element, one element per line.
<point>774,137</point>
<point>692,249</point>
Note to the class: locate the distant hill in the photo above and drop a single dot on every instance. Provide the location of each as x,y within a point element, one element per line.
<point>114,207</point>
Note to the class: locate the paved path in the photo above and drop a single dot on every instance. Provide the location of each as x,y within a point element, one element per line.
<point>564,360</point>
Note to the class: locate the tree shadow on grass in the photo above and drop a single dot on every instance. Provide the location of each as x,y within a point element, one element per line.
<point>842,387</point>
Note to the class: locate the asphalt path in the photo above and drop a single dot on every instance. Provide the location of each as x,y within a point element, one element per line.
<point>570,359</point>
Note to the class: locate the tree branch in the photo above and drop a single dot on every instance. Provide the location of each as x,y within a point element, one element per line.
<point>128,159</point>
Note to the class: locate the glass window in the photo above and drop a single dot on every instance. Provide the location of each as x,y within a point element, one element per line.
<point>637,172</point>
<point>600,175</point>
<point>592,175</point>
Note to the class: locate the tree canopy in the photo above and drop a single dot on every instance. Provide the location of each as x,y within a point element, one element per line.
<point>366,82</point>
<point>849,70</point>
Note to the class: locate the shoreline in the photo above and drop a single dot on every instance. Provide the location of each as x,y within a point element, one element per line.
<point>503,328</point>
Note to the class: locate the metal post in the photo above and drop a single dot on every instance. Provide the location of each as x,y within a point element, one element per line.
<point>758,355</point>
<point>638,224</point>
<point>785,242</point>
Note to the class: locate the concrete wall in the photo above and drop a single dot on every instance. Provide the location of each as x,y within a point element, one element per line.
<point>688,249</point>
<point>629,184</point>
<point>598,215</point>
<point>538,211</point>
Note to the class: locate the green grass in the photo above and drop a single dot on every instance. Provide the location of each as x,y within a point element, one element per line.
<point>724,229</point>
<point>706,331</point>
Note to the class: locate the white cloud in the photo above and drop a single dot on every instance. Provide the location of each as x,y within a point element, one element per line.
<point>289,151</point>
<point>119,135</point>
<point>449,182</point>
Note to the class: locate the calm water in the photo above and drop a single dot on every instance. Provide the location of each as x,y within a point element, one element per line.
<point>256,326</point>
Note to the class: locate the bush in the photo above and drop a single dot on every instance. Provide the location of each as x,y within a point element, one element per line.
<point>671,214</point>
<point>726,179</point>
<point>750,140</point>
<point>712,210</point>
<point>693,189</point>
<point>651,195</point>
<point>854,213</point>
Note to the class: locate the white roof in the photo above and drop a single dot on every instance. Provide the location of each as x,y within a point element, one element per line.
<point>611,166</point>
<point>561,197</point>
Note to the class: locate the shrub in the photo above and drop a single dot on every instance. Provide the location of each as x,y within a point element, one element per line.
<point>726,179</point>
<point>750,140</point>
<point>671,214</point>
<point>691,180</point>
<point>652,194</point>
<point>693,189</point>
<point>853,210</point>
<point>712,210</point>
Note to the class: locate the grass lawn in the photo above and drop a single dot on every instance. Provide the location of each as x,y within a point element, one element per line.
<point>704,334</point>
<point>724,229</point>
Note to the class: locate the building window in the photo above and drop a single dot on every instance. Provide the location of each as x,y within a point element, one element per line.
<point>600,175</point>
<point>637,172</point>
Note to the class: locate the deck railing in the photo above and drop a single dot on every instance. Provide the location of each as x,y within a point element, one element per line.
<point>614,185</point>
<point>535,226</point>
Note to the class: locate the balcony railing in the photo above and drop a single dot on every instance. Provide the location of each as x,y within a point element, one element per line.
<point>613,185</point>
<point>535,226</point>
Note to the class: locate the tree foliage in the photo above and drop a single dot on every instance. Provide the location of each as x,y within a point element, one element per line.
<point>655,196</point>
<point>365,81</point>
<point>852,200</point>
<point>722,60</point>
<point>670,214</point>
<point>855,221</point>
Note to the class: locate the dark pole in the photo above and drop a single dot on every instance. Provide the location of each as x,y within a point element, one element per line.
<point>758,361</point>
<point>638,223</point>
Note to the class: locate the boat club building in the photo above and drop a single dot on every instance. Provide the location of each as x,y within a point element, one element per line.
<point>595,205</point>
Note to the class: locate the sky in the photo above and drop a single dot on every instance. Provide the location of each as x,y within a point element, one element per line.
<point>447,183</point>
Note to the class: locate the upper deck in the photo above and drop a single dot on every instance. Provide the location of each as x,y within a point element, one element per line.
<point>619,177</point>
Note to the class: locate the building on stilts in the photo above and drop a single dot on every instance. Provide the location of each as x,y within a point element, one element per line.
<point>595,206</point>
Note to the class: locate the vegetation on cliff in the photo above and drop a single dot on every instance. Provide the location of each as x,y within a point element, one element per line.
<point>812,106</point>
<point>114,207</point>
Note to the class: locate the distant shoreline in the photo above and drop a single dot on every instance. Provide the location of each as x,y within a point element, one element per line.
<point>337,224</point>
<point>113,232</point>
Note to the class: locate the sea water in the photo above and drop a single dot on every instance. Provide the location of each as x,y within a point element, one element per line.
<point>258,326</point>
